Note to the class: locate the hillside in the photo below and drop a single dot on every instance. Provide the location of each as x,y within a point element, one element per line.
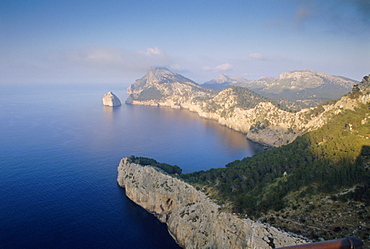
<point>163,87</point>
<point>192,219</point>
<point>261,119</point>
<point>317,186</point>
<point>296,89</point>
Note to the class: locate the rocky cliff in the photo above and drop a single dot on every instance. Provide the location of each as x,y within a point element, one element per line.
<point>161,87</point>
<point>191,217</point>
<point>238,108</point>
<point>300,85</point>
<point>110,99</point>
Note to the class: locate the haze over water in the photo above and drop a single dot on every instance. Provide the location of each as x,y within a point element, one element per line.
<point>60,148</point>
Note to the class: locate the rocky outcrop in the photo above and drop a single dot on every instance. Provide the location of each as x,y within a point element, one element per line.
<point>303,85</point>
<point>311,81</point>
<point>110,99</point>
<point>236,107</point>
<point>191,217</point>
<point>161,87</point>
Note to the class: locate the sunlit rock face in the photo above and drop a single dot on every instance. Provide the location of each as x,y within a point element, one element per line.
<point>238,108</point>
<point>192,218</point>
<point>110,99</point>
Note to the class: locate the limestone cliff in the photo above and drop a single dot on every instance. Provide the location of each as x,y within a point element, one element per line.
<point>300,85</point>
<point>299,79</point>
<point>110,99</point>
<point>191,217</point>
<point>161,87</point>
<point>238,108</point>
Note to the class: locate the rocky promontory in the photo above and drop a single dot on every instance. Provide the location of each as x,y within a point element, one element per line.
<point>110,99</point>
<point>238,108</point>
<point>193,219</point>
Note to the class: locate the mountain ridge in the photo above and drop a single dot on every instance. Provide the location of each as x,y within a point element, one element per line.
<point>316,183</point>
<point>296,89</point>
<point>261,119</point>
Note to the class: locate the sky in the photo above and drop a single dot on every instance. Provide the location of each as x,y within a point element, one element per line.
<point>111,41</point>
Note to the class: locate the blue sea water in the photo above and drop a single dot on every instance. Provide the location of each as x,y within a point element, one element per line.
<point>60,148</point>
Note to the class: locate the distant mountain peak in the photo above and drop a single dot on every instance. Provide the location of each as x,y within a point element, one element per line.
<point>305,73</point>
<point>152,84</point>
<point>162,75</point>
<point>223,77</point>
<point>225,80</point>
<point>296,89</point>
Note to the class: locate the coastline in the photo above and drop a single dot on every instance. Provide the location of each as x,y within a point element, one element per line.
<point>193,220</point>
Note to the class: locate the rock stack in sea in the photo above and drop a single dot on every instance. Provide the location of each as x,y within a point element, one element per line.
<point>110,99</point>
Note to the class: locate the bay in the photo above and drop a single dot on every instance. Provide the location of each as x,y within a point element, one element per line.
<point>60,148</point>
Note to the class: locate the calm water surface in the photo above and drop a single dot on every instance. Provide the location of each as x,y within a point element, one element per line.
<point>60,149</point>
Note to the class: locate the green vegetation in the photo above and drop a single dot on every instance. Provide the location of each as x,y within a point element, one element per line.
<point>317,186</point>
<point>212,107</point>
<point>315,111</point>
<point>150,94</point>
<point>170,169</point>
<point>247,98</point>
<point>326,160</point>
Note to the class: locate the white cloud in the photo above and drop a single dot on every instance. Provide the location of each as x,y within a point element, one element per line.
<point>113,58</point>
<point>92,55</point>
<point>206,68</point>
<point>218,68</point>
<point>89,64</point>
<point>152,51</point>
<point>257,56</point>
<point>224,67</point>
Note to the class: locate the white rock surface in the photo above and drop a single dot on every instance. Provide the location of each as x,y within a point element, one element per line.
<point>192,218</point>
<point>110,99</point>
<point>264,123</point>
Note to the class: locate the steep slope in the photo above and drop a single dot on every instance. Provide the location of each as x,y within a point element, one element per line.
<point>306,87</point>
<point>303,79</point>
<point>317,186</point>
<point>295,89</point>
<point>191,217</point>
<point>110,99</point>
<point>236,107</point>
<point>161,87</point>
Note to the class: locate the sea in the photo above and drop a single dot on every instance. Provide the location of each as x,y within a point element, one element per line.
<point>59,153</point>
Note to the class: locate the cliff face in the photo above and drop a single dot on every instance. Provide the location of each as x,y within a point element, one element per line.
<point>192,218</point>
<point>110,99</point>
<point>161,87</point>
<point>310,79</point>
<point>235,107</point>
<point>295,90</point>
<point>297,80</point>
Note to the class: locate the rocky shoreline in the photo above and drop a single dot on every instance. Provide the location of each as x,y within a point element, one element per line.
<point>192,218</point>
<point>235,107</point>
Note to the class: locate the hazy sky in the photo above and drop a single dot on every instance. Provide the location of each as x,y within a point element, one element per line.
<point>118,41</point>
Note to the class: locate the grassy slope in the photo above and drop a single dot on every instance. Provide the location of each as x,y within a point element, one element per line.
<point>304,180</point>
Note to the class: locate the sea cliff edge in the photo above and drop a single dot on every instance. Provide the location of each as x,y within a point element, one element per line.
<point>192,218</point>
